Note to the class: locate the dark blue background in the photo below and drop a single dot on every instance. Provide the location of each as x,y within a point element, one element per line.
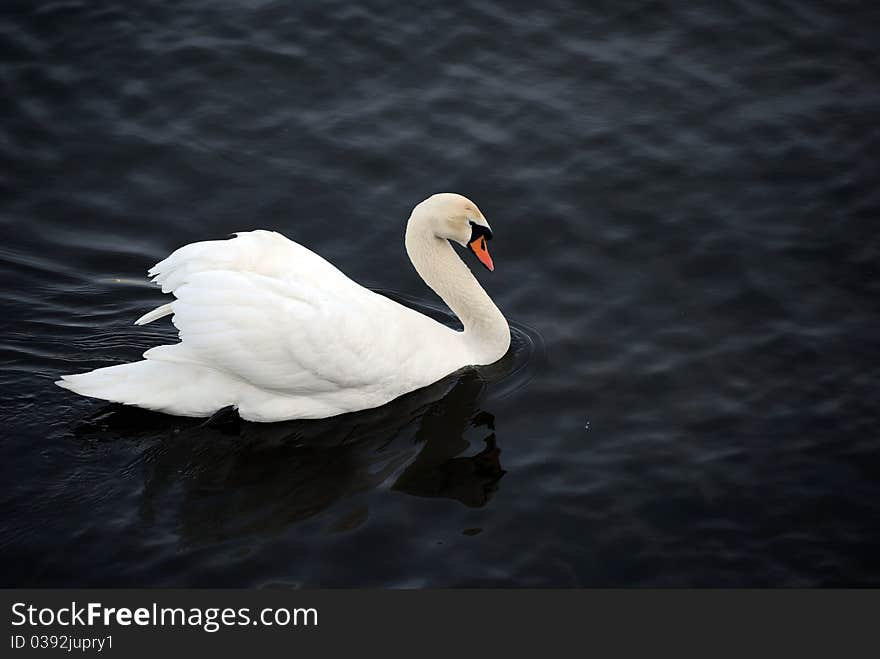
<point>684,199</point>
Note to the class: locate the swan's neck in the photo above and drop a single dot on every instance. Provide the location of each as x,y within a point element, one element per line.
<point>486,334</point>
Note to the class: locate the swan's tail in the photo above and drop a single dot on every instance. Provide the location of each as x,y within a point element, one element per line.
<point>182,389</point>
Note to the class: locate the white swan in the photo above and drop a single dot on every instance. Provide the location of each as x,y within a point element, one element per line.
<point>271,328</point>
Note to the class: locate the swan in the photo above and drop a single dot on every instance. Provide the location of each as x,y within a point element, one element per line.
<point>277,332</point>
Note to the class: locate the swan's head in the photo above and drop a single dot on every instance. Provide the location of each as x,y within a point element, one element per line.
<point>455,217</point>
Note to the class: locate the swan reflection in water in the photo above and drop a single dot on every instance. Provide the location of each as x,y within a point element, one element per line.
<point>224,477</point>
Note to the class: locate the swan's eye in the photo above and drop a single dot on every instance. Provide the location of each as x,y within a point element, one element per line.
<point>478,230</point>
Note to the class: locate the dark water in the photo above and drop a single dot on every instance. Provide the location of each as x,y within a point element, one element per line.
<point>685,204</point>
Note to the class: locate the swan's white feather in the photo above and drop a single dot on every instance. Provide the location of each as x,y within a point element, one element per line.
<point>155,314</point>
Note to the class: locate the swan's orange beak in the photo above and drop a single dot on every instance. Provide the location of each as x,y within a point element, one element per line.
<point>478,247</point>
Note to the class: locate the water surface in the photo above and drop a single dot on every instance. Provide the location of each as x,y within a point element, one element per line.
<point>685,204</point>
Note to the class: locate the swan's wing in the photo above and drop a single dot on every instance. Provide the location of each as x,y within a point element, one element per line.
<point>267,310</point>
<point>292,338</point>
<point>262,252</point>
